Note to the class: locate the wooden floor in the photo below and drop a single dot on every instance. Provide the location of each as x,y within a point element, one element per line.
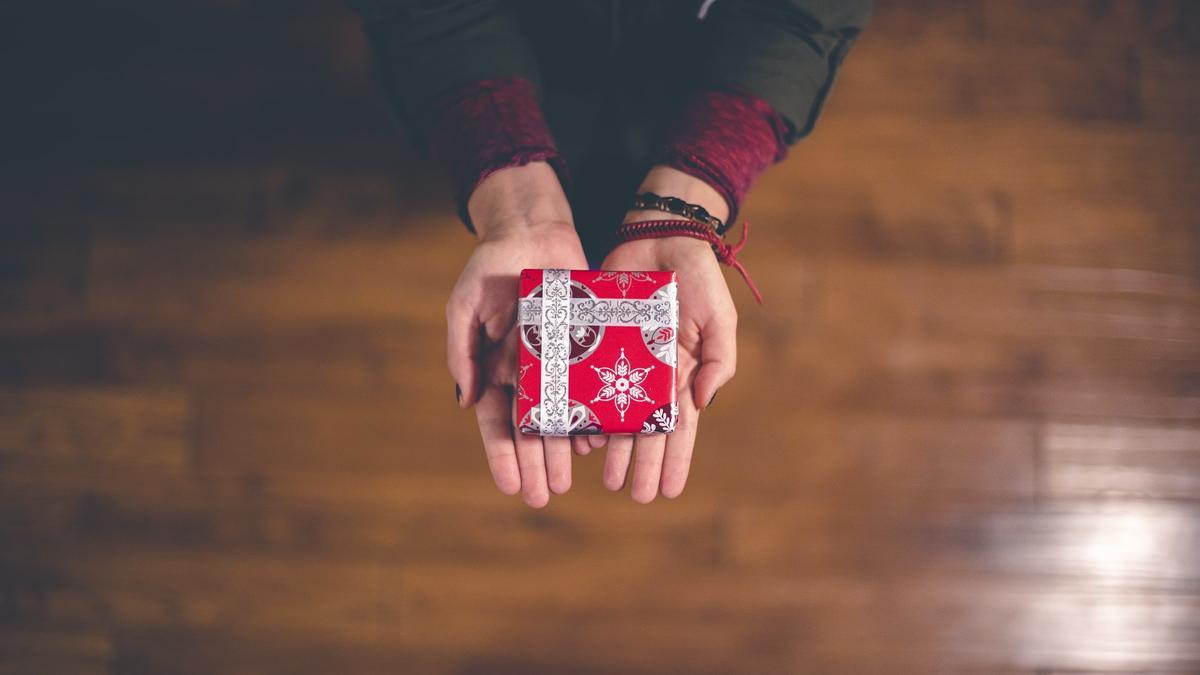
<point>964,435</point>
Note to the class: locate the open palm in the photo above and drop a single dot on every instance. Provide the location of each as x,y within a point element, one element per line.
<point>707,359</point>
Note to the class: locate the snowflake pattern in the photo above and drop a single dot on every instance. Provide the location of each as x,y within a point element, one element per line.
<point>624,279</point>
<point>622,384</point>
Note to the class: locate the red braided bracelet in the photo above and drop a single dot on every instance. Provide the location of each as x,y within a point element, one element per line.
<point>726,254</point>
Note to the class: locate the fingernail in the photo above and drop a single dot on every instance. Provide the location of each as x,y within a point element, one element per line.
<point>713,398</point>
<point>458,394</point>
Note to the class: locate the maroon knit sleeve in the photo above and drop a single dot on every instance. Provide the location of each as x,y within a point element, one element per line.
<point>725,138</point>
<point>485,126</point>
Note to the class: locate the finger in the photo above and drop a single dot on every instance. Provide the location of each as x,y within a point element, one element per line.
<point>647,467</point>
<point>677,460</point>
<point>495,427</point>
<point>616,462</point>
<point>531,459</point>
<point>718,356</point>
<point>598,440</point>
<point>462,350</point>
<point>558,463</point>
<point>579,445</point>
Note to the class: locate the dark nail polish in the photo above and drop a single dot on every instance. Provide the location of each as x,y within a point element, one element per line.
<point>713,398</point>
<point>458,394</point>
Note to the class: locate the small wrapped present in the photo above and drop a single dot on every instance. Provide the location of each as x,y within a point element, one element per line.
<point>597,352</point>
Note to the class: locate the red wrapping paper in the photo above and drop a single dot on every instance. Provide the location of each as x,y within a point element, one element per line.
<point>597,352</point>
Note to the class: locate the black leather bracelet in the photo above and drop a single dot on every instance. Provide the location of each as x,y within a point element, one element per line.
<point>678,207</point>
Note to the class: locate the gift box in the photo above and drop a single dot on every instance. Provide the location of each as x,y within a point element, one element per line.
<point>597,352</point>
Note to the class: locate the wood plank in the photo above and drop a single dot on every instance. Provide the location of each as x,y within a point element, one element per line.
<point>860,455</point>
<point>954,155</point>
<point>249,200</point>
<point>859,220</point>
<point>963,436</point>
<point>784,622</point>
<point>205,285</point>
<point>1111,459</point>
<point>1169,85</point>
<point>916,221</point>
<point>1072,229</point>
<point>92,428</point>
<point>1145,23</point>
<point>914,378</point>
<point>355,601</point>
<point>932,302</point>
<point>41,279</point>
<point>391,431</point>
<point>302,357</point>
<point>925,19</point>
<point>298,356</point>
<point>1045,340</point>
<point>68,353</point>
<point>987,79</point>
<point>343,516</point>
<point>1137,544</point>
<point>29,652</point>
<point>727,611</point>
<point>196,652</point>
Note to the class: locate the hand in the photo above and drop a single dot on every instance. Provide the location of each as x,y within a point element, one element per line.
<point>707,341</point>
<point>523,220</point>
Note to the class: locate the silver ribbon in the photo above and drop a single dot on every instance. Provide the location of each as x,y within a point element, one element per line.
<point>556,350</point>
<point>605,312</point>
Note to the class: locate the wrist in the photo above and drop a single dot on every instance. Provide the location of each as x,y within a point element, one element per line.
<point>520,228</point>
<point>518,199</point>
<point>669,182</point>
<point>672,248</point>
<point>671,244</point>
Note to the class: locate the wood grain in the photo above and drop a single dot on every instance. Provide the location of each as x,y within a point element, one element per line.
<point>964,435</point>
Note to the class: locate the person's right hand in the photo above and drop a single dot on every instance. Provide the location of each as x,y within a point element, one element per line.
<point>523,221</point>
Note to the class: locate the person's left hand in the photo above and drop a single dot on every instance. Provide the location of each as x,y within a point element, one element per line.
<point>523,220</point>
<point>707,359</point>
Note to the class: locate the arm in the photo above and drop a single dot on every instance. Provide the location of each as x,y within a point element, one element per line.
<point>462,79</point>
<point>762,88</point>
<point>771,68</point>
<point>424,49</point>
<point>785,52</point>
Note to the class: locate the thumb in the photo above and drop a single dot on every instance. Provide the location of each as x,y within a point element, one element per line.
<point>498,360</point>
<point>462,351</point>
<point>718,358</point>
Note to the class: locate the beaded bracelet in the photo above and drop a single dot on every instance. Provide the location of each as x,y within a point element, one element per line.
<point>677,207</point>
<point>726,254</point>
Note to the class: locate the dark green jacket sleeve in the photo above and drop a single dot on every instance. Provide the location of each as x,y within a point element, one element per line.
<point>785,52</point>
<point>423,48</point>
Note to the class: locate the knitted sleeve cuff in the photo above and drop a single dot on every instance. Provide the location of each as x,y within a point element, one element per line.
<point>486,126</point>
<point>725,138</point>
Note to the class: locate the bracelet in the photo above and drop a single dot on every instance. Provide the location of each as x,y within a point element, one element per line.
<point>726,254</point>
<point>678,207</point>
